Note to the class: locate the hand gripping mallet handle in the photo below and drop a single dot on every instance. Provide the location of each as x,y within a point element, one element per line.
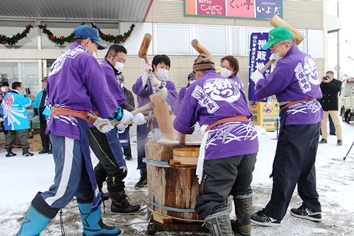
<point>277,21</point>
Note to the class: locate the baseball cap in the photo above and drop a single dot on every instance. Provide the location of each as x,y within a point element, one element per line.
<point>203,62</point>
<point>191,76</point>
<point>277,34</point>
<point>85,31</point>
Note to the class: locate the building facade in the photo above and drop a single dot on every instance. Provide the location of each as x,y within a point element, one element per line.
<point>172,32</point>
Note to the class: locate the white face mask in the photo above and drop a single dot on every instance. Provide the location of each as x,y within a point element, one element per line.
<point>276,56</point>
<point>225,72</point>
<point>119,66</point>
<point>161,73</point>
<point>121,85</point>
<point>94,54</point>
<point>3,89</point>
<point>192,81</point>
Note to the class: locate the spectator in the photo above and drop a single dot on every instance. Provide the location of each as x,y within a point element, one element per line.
<point>3,90</point>
<point>39,106</point>
<point>16,121</point>
<point>191,80</point>
<point>330,88</point>
<point>295,83</point>
<point>126,135</point>
<point>72,89</point>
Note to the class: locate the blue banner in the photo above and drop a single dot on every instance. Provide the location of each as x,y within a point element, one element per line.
<point>257,59</point>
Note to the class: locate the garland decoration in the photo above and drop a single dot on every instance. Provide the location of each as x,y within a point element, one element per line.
<point>116,39</point>
<point>57,40</point>
<point>15,38</point>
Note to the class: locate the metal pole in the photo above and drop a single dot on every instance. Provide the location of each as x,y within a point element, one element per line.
<point>338,46</point>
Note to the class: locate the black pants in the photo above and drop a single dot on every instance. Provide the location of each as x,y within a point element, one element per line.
<point>221,178</point>
<point>128,150</point>
<point>100,146</point>
<point>294,163</point>
<point>44,137</point>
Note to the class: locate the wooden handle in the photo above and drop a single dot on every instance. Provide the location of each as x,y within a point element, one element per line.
<point>199,47</point>
<point>277,21</point>
<point>150,73</point>
<point>267,66</point>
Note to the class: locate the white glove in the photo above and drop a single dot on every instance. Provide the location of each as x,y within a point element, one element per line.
<point>123,168</point>
<point>144,79</point>
<point>273,57</point>
<point>139,119</point>
<point>155,82</point>
<point>103,125</point>
<point>121,128</point>
<point>147,68</point>
<point>256,76</point>
<point>164,92</point>
<point>127,116</point>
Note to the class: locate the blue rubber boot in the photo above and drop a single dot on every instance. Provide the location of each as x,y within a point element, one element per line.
<point>37,217</point>
<point>92,222</point>
<point>33,223</point>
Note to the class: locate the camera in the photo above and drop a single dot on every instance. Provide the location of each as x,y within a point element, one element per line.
<point>325,78</point>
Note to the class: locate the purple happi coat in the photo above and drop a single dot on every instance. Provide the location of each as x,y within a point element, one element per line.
<point>209,99</point>
<point>112,82</point>
<point>143,95</point>
<point>78,89</point>
<point>294,78</point>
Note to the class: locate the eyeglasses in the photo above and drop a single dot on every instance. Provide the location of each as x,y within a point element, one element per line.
<point>273,48</point>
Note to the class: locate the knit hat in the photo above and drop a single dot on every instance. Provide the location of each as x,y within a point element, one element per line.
<point>277,34</point>
<point>203,62</point>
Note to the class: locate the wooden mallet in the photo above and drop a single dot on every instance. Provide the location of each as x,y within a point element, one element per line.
<point>144,48</point>
<point>199,47</point>
<point>277,21</point>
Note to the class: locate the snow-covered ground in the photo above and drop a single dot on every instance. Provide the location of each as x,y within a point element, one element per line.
<point>21,178</point>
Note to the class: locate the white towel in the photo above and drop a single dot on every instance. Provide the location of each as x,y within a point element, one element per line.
<point>199,171</point>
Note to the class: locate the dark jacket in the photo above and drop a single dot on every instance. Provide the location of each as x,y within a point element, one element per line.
<point>330,91</point>
<point>129,105</point>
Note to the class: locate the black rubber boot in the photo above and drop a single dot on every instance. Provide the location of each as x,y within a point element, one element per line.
<point>243,209</point>
<point>143,179</point>
<point>9,152</point>
<point>25,152</point>
<point>219,224</point>
<point>120,203</point>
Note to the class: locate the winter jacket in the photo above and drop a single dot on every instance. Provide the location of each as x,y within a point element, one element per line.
<point>38,107</point>
<point>15,112</point>
<point>330,91</point>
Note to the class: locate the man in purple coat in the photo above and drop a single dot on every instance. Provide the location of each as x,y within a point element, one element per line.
<point>75,85</point>
<point>295,83</point>
<point>228,150</point>
<point>112,167</point>
<point>143,88</point>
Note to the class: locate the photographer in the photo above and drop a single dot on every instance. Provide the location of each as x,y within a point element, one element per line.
<point>330,88</point>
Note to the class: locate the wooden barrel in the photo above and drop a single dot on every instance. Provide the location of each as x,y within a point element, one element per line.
<point>172,191</point>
